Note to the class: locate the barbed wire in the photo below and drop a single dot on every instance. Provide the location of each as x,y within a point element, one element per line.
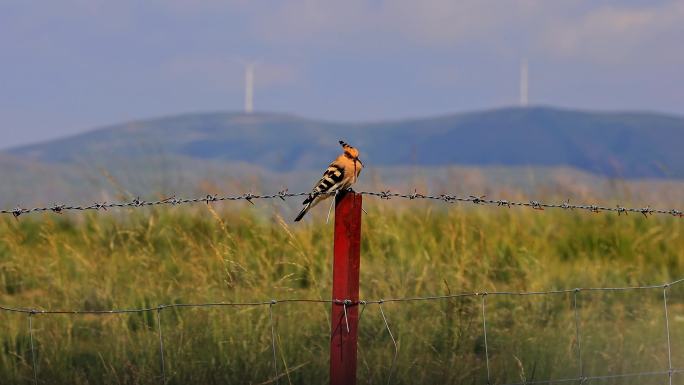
<point>581,378</point>
<point>386,195</point>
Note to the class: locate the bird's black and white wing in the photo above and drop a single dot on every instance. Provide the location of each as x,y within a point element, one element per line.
<point>333,180</point>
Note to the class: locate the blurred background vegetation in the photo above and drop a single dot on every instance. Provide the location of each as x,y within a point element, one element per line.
<point>237,252</point>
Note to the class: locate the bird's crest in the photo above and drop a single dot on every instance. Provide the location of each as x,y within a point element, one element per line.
<point>350,151</point>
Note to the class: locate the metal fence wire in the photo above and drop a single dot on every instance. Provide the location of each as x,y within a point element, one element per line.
<point>283,194</point>
<point>581,378</point>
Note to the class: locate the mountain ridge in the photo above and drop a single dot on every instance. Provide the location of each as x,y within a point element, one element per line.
<point>370,122</point>
<point>627,144</point>
<point>167,153</point>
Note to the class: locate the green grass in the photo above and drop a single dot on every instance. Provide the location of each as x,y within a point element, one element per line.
<point>125,259</point>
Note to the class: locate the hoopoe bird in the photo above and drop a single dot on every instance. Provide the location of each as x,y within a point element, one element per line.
<point>339,176</point>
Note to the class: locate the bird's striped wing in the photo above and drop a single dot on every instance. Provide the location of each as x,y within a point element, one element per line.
<point>333,180</point>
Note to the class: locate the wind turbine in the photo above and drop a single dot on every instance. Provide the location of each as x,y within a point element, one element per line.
<point>249,88</point>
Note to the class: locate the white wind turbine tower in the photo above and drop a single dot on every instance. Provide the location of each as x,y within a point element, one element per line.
<point>249,88</point>
<point>524,87</point>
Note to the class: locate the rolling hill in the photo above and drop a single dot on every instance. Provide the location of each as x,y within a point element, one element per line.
<point>234,145</point>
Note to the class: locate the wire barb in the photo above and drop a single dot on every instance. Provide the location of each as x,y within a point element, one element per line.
<point>99,206</point>
<point>172,200</point>
<point>248,197</point>
<point>416,195</point>
<point>621,210</point>
<point>57,208</point>
<point>17,211</point>
<point>536,205</point>
<point>647,211</point>
<point>477,200</point>
<point>566,205</point>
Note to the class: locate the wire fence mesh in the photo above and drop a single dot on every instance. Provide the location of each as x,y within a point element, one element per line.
<point>582,377</point>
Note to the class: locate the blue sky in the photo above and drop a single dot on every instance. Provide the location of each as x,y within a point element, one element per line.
<point>72,65</point>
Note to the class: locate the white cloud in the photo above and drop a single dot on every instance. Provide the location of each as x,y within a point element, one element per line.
<point>311,22</point>
<point>445,22</point>
<point>431,23</point>
<point>614,33</point>
<point>586,27</point>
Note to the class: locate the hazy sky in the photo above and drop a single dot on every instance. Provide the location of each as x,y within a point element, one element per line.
<point>70,65</point>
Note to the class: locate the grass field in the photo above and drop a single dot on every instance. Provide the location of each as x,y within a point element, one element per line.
<point>235,252</point>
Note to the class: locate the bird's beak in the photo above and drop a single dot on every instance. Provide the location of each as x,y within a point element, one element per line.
<point>359,160</point>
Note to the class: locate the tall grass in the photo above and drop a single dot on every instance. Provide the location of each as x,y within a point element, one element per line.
<point>233,253</point>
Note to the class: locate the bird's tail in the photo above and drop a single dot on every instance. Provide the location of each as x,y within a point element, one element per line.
<point>307,206</point>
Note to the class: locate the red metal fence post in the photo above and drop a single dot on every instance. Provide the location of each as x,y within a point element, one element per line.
<point>345,287</point>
